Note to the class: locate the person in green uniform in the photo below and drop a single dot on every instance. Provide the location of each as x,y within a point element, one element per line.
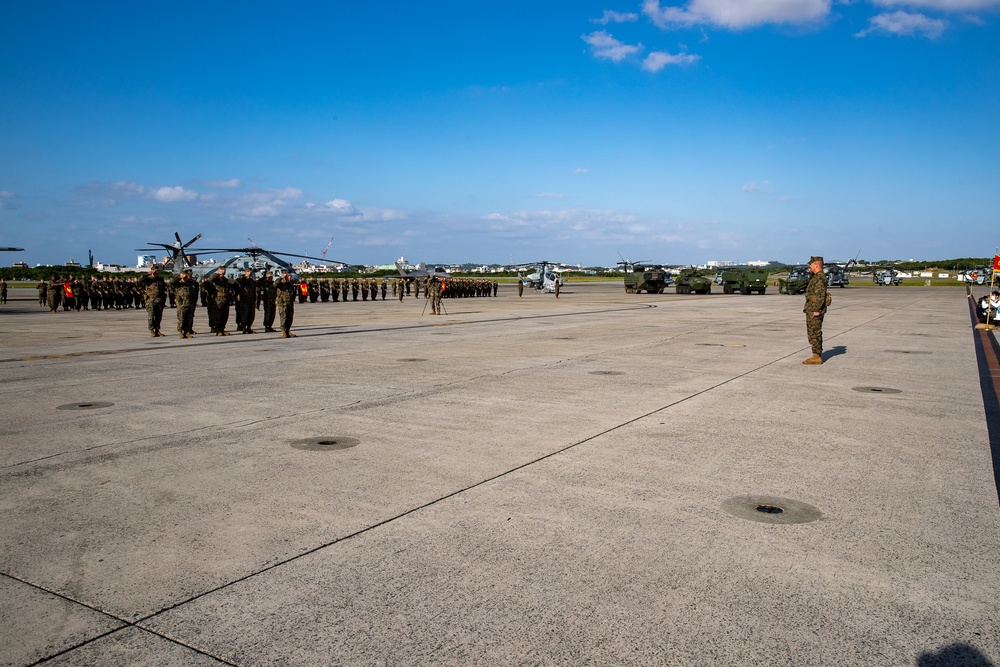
<point>815,309</point>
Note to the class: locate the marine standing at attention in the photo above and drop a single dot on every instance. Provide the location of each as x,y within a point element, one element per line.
<point>815,309</point>
<point>267,293</point>
<point>219,291</point>
<point>246,301</point>
<point>154,290</point>
<point>186,298</point>
<point>287,290</point>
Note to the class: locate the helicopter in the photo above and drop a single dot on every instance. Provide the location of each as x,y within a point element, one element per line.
<point>543,280</point>
<point>420,271</point>
<point>183,256</point>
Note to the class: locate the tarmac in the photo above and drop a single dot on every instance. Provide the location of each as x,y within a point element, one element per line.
<point>599,479</point>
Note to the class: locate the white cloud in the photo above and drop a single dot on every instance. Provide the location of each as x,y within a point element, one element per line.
<point>340,206</point>
<point>941,5</point>
<point>549,195</point>
<point>6,199</point>
<point>265,203</point>
<point>736,14</point>
<point>611,16</point>
<point>176,193</point>
<point>657,60</point>
<point>755,187</point>
<point>227,184</point>
<point>581,170</point>
<point>606,46</point>
<point>125,187</point>
<point>904,23</point>
<point>562,224</point>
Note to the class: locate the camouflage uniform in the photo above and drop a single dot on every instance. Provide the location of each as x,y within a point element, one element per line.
<point>218,290</point>
<point>246,302</point>
<point>54,296</point>
<point>434,289</point>
<point>267,293</point>
<point>154,289</point>
<point>43,293</point>
<point>186,297</point>
<point>815,303</point>
<point>286,291</point>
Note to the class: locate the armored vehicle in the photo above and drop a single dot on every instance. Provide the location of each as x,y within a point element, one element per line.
<point>796,282</point>
<point>650,278</point>
<point>744,281</point>
<point>836,275</point>
<point>691,280</point>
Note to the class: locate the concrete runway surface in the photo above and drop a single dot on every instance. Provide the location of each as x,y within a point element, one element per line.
<point>602,479</point>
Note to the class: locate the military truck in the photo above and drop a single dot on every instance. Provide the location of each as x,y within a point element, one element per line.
<point>744,281</point>
<point>691,281</point>
<point>652,279</point>
<point>796,282</point>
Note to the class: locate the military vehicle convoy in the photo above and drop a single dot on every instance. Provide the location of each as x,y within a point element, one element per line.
<point>796,282</point>
<point>744,281</point>
<point>651,278</point>
<point>691,281</point>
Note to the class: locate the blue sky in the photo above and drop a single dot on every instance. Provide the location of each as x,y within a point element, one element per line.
<point>677,132</point>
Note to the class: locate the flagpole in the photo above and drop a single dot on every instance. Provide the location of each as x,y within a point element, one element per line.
<point>993,277</point>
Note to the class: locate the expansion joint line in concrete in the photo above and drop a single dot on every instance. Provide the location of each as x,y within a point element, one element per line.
<point>125,624</point>
<point>236,424</point>
<point>481,482</point>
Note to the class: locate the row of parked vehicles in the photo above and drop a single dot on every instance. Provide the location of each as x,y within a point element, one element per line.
<point>654,279</point>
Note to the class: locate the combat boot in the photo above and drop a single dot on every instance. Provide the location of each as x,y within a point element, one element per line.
<point>815,359</point>
<point>183,335</point>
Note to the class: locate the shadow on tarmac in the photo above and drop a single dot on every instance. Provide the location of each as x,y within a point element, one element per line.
<point>956,655</point>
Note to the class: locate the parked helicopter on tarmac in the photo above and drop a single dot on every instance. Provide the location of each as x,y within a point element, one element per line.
<point>420,271</point>
<point>545,279</point>
<point>183,256</point>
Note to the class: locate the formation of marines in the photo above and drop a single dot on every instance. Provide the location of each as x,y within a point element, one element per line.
<point>73,293</point>
<point>221,295</point>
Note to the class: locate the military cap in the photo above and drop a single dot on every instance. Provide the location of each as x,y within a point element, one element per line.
<point>816,258</point>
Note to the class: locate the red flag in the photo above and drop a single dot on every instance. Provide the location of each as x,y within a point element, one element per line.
<point>996,262</point>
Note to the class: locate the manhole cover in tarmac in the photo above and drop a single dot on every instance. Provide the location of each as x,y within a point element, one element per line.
<point>607,373</point>
<point>411,359</point>
<point>771,509</point>
<point>324,444</point>
<point>89,405</point>
<point>878,390</point>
